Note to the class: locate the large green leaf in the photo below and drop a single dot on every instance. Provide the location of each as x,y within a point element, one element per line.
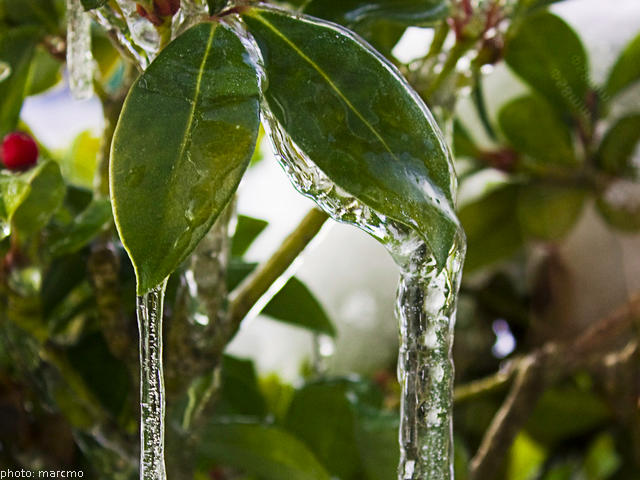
<point>352,12</point>
<point>45,196</point>
<point>295,304</point>
<point>615,154</point>
<point>546,141</point>
<point>626,70</point>
<point>267,452</point>
<point>17,47</point>
<point>547,54</point>
<point>358,120</point>
<point>182,143</point>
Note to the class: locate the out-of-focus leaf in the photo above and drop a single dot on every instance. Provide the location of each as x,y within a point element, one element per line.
<point>549,211</point>
<point>532,127</point>
<point>83,229</point>
<point>547,54</point>
<point>322,415</point>
<point>94,362</point>
<point>80,161</point>
<point>44,198</point>
<point>91,4</point>
<point>17,46</point>
<point>60,278</point>
<point>626,70</point>
<point>296,305</point>
<point>602,460</point>
<point>369,132</point>
<point>31,12</point>
<point>615,155</point>
<point>377,441</point>
<point>247,231</point>
<point>525,459</point>
<point>216,6</point>
<point>619,205</point>
<point>463,144</point>
<point>265,451</point>
<point>240,394</point>
<point>44,72</point>
<point>237,271</point>
<point>382,34</point>
<point>353,12</point>
<point>199,114</point>
<point>492,228</point>
<point>563,413</point>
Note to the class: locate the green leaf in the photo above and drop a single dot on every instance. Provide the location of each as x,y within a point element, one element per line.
<point>44,72</point>
<point>83,229</point>
<point>80,161</point>
<point>216,6</point>
<point>17,46</point>
<point>91,4</point>
<point>31,12</point>
<point>237,271</point>
<point>265,451</point>
<point>615,154</point>
<point>183,141</point>
<point>322,416</point>
<point>247,231</point>
<point>626,70</point>
<point>13,190</point>
<point>382,34</point>
<point>45,196</point>
<point>463,143</point>
<point>358,121</point>
<point>352,12</point>
<point>546,140</point>
<point>547,54</point>
<point>492,227</point>
<point>377,440</point>
<point>240,393</point>
<point>296,305</point>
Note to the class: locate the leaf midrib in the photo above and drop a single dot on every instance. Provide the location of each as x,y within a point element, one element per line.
<point>327,79</point>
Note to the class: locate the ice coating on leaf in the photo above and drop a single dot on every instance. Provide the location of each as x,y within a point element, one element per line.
<point>152,396</point>
<point>79,58</point>
<point>113,23</point>
<point>190,13</point>
<point>426,304</point>
<point>143,32</point>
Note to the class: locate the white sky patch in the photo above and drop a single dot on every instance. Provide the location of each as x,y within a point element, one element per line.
<point>414,44</point>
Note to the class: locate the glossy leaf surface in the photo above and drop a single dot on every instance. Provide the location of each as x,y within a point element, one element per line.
<point>615,155</point>
<point>358,120</point>
<point>265,451</point>
<point>352,12</point>
<point>182,143</point>
<point>547,142</point>
<point>547,54</point>
<point>17,47</point>
<point>626,70</point>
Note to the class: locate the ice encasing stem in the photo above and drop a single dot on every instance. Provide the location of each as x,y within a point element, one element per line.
<point>426,304</point>
<point>79,58</point>
<point>152,396</point>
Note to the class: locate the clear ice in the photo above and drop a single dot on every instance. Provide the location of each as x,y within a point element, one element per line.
<point>79,58</point>
<point>152,396</point>
<point>143,32</point>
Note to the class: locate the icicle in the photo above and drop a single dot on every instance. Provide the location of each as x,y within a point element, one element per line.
<point>79,58</point>
<point>190,13</point>
<point>143,32</point>
<point>426,312</point>
<point>152,397</point>
<point>117,27</point>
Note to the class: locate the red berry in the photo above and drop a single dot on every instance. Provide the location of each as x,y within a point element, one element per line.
<point>18,151</point>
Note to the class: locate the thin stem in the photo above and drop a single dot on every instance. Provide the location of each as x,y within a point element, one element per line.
<point>249,292</point>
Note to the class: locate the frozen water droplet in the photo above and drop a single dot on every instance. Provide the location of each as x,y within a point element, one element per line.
<point>79,58</point>
<point>143,32</point>
<point>5,70</point>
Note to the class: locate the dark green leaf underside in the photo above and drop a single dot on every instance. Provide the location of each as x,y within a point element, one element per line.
<point>358,120</point>
<point>183,141</point>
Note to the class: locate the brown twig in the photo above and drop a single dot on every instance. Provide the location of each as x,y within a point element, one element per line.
<point>537,371</point>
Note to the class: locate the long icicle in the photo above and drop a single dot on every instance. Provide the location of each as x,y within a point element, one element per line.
<point>152,396</point>
<point>79,58</point>
<point>426,304</point>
